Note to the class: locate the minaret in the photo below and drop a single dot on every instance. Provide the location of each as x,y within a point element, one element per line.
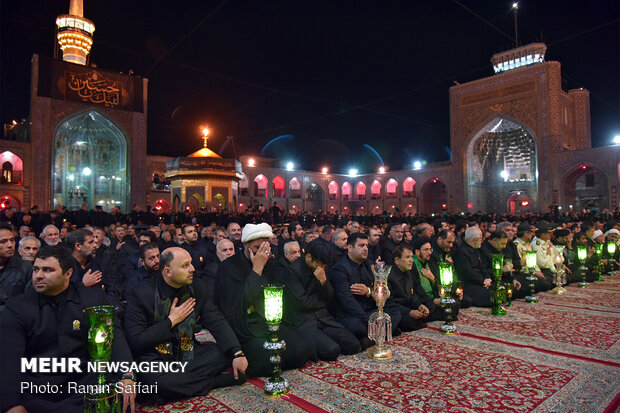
<point>75,34</point>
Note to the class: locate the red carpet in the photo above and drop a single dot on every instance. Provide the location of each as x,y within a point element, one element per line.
<point>561,355</point>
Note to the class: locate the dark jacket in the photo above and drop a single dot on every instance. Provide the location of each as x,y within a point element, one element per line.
<point>486,252</point>
<point>30,330</point>
<point>405,293</point>
<point>239,295</point>
<point>143,333</point>
<point>15,277</point>
<point>468,265</point>
<point>341,276</point>
<point>387,249</point>
<point>305,297</point>
<point>198,252</point>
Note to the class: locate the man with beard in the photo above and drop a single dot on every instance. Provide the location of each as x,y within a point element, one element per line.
<point>308,295</point>
<point>233,231</point>
<point>49,321</point>
<point>374,248</point>
<point>195,246</point>
<point>496,244</point>
<point>443,248</point>
<point>86,270</point>
<point>352,277</point>
<point>421,274</point>
<point>162,314</point>
<point>394,239</point>
<point>50,235</point>
<point>239,295</point>
<point>469,269</point>
<point>15,273</point>
<point>545,251</point>
<point>149,268</point>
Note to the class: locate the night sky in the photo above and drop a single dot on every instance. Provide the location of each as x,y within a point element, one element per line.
<point>340,77</point>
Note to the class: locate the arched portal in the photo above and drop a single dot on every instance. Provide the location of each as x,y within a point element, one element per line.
<point>346,191</point>
<point>295,187</point>
<point>12,168</point>
<point>434,196</point>
<point>260,186</point>
<point>360,191</point>
<point>278,187</point>
<point>221,199</point>
<point>90,157</point>
<point>163,205</point>
<point>391,188</point>
<point>501,160</point>
<point>332,188</point>
<point>409,187</point>
<point>375,190</point>
<point>314,197</point>
<point>9,202</point>
<point>585,186</point>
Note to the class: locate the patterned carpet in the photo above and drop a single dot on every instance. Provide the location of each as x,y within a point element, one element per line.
<point>561,355</point>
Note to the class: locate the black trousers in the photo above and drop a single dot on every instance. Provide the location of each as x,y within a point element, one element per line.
<point>326,338</point>
<point>294,357</point>
<point>480,296</point>
<point>209,361</point>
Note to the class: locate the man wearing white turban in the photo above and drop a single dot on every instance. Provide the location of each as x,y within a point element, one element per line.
<point>239,295</point>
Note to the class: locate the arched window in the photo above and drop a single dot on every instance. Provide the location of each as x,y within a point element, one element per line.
<point>409,187</point>
<point>295,188</point>
<point>391,188</point>
<point>332,188</point>
<point>260,186</point>
<point>360,190</point>
<point>375,190</point>
<point>346,191</point>
<point>278,187</point>
<point>12,167</point>
<point>90,163</point>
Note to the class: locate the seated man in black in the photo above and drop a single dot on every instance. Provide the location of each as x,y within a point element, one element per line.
<point>469,269</point>
<point>421,274</point>
<point>87,270</point>
<point>496,244</point>
<point>443,247</point>
<point>149,268</point>
<point>408,297</point>
<point>15,273</point>
<point>162,313</point>
<point>239,295</point>
<point>307,296</point>
<point>352,278</point>
<point>49,321</point>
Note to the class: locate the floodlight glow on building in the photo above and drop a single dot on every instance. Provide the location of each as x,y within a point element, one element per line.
<point>617,140</point>
<point>417,165</point>
<point>353,172</point>
<point>382,170</point>
<point>290,166</point>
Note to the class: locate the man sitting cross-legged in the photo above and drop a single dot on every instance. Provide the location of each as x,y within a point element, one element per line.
<point>162,313</point>
<point>308,295</point>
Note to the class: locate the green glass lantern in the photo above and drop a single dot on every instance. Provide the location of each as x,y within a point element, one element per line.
<point>582,255</point>
<point>273,303</point>
<point>498,294</point>
<point>276,385</point>
<point>446,275</point>
<point>530,260</point>
<point>611,251</point>
<point>100,339</point>
<point>446,278</point>
<point>509,287</point>
<point>598,249</point>
<point>530,264</point>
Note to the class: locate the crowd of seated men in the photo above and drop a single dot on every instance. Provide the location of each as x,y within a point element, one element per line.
<point>169,282</point>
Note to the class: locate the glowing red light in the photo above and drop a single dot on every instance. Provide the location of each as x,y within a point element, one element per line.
<point>470,206</point>
<point>444,206</point>
<point>525,203</point>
